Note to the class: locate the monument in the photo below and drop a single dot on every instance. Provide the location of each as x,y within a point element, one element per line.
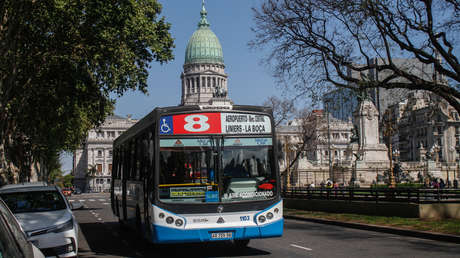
<point>369,155</point>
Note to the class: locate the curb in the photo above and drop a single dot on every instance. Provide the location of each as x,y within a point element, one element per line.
<point>383,229</point>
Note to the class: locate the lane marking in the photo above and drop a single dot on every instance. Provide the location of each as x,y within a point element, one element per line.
<point>106,203</point>
<point>91,200</point>
<point>102,200</point>
<point>301,247</point>
<point>82,200</point>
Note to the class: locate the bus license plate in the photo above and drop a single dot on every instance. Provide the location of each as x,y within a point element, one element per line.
<point>221,235</point>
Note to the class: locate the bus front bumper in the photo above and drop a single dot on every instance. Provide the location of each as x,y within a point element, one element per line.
<point>170,235</point>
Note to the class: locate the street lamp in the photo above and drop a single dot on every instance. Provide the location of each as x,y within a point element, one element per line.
<point>358,155</point>
<point>396,157</point>
<point>329,140</point>
<point>389,134</point>
<point>458,167</point>
<point>287,152</point>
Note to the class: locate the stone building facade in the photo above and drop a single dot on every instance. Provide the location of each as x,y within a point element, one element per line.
<point>92,162</point>
<point>425,121</point>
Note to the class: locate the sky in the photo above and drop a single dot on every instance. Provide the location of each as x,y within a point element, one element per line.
<point>249,82</point>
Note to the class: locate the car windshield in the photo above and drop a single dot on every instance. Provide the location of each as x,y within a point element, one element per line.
<point>34,201</point>
<point>189,170</point>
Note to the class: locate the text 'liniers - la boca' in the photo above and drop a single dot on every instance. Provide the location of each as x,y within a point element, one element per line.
<point>245,128</point>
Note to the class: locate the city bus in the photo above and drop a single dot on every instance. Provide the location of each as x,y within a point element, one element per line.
<point>199,173</point>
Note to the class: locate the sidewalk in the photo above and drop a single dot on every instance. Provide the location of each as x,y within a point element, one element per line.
<point>383,229</point>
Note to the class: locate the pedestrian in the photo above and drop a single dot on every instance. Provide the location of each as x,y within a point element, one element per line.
<point>455,183</point>
<point>442,185</point>
<point>435,184</point>
<point>312,185</point>
<point>335,185</point>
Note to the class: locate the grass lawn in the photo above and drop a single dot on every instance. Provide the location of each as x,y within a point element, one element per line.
<point>446,226</point>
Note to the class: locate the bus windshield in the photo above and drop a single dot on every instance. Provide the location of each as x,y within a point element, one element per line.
<point>209,170</point>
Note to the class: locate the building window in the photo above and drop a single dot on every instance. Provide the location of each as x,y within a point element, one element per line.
<point>110,169</point>
<point>110,153</point>
<point>100,134</point>
<point>111,134</point>
<point>99,153</point>
<point>99,168</point>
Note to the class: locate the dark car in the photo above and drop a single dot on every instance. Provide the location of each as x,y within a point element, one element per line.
<point>13,241</point>
<point>77,191</point>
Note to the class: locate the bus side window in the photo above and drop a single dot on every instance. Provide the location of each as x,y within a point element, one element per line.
<point>127,162</point>
<point>144,156</point>
<point>132,157</point>
<point>115,162</point>
<point>138,157</point>
<point>151,166</point>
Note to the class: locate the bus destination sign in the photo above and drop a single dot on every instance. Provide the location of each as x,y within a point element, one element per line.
<point>215,123</point>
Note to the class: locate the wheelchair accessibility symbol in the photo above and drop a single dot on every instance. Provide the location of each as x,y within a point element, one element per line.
<point>166,125</point>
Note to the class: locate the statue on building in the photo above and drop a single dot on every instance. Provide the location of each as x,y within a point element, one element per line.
<point>362,95</point>
<point>219,92</point>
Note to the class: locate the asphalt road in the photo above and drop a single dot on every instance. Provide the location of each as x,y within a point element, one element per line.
<point>101,236</point>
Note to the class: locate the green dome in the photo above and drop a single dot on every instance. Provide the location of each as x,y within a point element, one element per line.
<point>203,46</point>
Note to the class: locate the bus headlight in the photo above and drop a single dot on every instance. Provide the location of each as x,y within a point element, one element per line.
<point>262,219</point>
<point>179,222</point>
<point>161,215</point>
<point>169,220</point>
<point>269,215</point>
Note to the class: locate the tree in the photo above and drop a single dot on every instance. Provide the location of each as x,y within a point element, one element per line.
<point>92,170</point>
<point>318,43</point>
<point>61,62</point>
<point>283,109</point>
<point>307,125</point>
<point>54,175</point>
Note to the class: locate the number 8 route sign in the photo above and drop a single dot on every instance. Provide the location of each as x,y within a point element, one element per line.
<point>215,123</point>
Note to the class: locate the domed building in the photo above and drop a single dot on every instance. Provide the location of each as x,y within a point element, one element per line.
<point>204,81</point>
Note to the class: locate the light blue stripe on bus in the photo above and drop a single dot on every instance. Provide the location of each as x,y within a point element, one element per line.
<point>207,142</point>
<point>172,235</point>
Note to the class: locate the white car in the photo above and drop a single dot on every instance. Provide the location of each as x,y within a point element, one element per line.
<point>13,241</point>
<point>46,217</point>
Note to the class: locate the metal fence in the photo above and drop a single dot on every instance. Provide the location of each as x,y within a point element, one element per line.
<point>375,195</point>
